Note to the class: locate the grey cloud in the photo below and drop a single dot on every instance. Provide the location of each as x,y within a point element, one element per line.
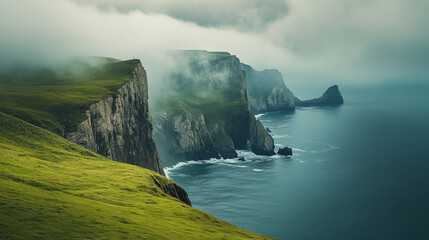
<point>244,15</point>
<point>355,41</point>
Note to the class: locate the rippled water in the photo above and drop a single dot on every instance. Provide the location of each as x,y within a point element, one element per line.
<point>359,171</point>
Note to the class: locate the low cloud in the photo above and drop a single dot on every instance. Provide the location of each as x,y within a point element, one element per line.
<point>244,15</point>
<point>334,41</point>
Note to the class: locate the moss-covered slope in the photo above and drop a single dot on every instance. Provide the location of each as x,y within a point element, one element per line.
<point>53,189</point>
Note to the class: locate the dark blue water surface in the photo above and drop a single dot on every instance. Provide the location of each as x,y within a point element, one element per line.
<point>359,171</point>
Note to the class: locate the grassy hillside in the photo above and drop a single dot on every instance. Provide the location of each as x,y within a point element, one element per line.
<point>53,189</point>
<point>56,98</point>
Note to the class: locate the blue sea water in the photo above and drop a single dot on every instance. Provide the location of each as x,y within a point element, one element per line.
<point>359,171</point>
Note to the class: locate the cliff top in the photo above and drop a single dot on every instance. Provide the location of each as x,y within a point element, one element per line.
<point>211,84</point>
<point>84,195</point>
<point>56,98</point>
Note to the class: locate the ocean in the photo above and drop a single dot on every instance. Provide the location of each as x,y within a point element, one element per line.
<point>359,171</point>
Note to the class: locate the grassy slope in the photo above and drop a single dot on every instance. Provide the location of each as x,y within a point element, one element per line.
<point>56,98</point>
<point>53,189</point>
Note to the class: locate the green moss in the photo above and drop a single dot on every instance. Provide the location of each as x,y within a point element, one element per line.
<point>56,99</point>
<point>53,189</point>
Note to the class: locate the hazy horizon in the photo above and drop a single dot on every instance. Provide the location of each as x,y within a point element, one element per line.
<point>313,44</point>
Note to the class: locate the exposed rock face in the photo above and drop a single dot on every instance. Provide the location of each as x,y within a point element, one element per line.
<point>181,135</point>
<point>287,151</point>
<point>267,91</point>
<point>172,189</point>
<point>213,118</point>
<point>120,127</point>
<point>261,141</point>
<point>332,96</point>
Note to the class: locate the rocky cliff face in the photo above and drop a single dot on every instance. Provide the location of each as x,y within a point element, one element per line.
<point>332,96</point>
<point>120,127</point>
<point>267,91</point>
<point>261,141</point>
<point>184,136</point>
<point>213,118</point>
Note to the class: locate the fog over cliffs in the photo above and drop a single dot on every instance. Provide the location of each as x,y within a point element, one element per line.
<point>312,43</point>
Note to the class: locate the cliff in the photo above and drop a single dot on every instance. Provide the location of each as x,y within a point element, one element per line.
<point>332,96</point>
<point>120,126</point>
<point>180,134</point>
<point>266,91</point>
<point>99,103</point>
<point>208,115</point>
<point>52,188</point>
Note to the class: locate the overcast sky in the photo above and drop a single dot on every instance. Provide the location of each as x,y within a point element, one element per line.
<point>331,41</point>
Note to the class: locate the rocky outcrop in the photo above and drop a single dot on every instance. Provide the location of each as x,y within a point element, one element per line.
<point>266,91</point>
<point>287,151</point>
<point>332,96</point>
<point>261,141</point>
<point>209,114</point>
<point>181,135</point>
<point>171,188</point>
<point>225,146</point>
<point>120,127</point>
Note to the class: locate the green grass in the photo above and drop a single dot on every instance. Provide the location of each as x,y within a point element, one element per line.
<point>57,98</point>
<point>53,189</point>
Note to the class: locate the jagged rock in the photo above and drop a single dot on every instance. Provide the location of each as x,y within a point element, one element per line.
<point>241,158</point>
<point>225,146</point>
<point>261,141</point>
<point>120,127</point>
<point>266,91</point>
<point>287,151</point>
<point>181,135</point>
<point>226,117</point>
<point>332,96</point>
<point>268,130</point>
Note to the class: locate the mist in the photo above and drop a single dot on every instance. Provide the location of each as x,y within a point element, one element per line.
<point>313,44</point>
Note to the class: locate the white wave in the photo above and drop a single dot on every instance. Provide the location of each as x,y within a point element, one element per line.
<point>298,150</point>
<point>278,145</point>
<point>300,161</point>
<point>259,115</point>
<point>280,126</point>
<point>226,162</point>
<point>280,136</point>
<point>257,170</point>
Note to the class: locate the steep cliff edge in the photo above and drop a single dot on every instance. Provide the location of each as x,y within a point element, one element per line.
<point>207,113</point>
<point>183,135</point>
<point>52,188</point>
<point>266,91</point>
<point>332,96</point>
<point>120,127</point>
<point>100,103</point>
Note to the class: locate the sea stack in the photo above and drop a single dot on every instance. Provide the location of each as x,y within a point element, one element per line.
<point>332,96</point>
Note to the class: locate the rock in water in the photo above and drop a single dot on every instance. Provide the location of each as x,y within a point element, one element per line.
<point>332,96</point>
<point>287,151</point>
<point>261,141</point>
